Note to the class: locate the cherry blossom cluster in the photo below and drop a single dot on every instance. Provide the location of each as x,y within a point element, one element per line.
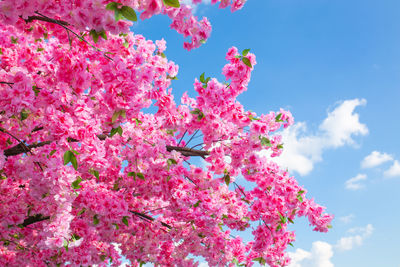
<point>88,174</point>
<point>93,15</point>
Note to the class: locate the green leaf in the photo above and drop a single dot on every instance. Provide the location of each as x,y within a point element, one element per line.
<point>1,50</point>
<point>118,15</point>
<point>245,52</point>
<point>116,130</point>
<point>115,116</point>
<point>290,220</point>
<point>126,44</point>
<point>202,78</point>
<point>95,220</point>
<point>278,118</point>
<point>116,226</point>
<point>265,141</point>
<point>170,162</point>
<point>227,179</point>
<point>24,114</point>
<point>112,6</point>
<point>299,195</point>
<point>103,34</point>
<point>75,237</point>
<point>283,218</point>
<point>119,130</point>
<point>52,152</point>
<point>122,113</point>
<point>280,146</point>
<point>40,49</point>
<point>172,78</point>
<point>95,35</point>
<point>66,245</point>
<point>129,13</point>
<point>36,90</point>
<point>247,62</point>
<point>81,211</point>
<point>140,175</point>
<point>14,40</point>
<point>125,220</point>
<point>67,157</point>
<point>75,152</point>
<point>329,226</point>
<point>137,121</point>
<point>132,174</point>
<point>197,204</point>
<point>95,173</point>
<point>74,162</point>
<point>103,257</point>
<point>195,112</point>
<point>261,260</point>
<point>172,3</point>
<point>76,184</point>
<point>290,244</point>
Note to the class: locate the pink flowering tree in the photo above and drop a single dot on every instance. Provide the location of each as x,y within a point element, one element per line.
<point>88,177</point>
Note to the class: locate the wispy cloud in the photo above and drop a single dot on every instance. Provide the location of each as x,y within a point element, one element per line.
<point>303,150</point>
<point>355,182</point>
<point>374,159</point>
<point>357,238</point>
<point>393,171</point>
<point>347,219</point>
<point>194,6</point>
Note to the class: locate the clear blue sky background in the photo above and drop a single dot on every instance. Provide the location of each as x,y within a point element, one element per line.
<point>312,56</point>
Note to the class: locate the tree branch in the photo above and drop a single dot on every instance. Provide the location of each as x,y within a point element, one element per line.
<point>39,217</point>
<point>47,19</point>
<point>21,148</point>
<point>149,218</point>
<point>187,152</point>
<point>34,219</point>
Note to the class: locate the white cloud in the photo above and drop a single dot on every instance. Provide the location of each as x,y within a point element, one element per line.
<point>354,183</point>
<point>347,219</point>
<point>193,6</point>
<point>394,170</point>
<point>321,253</point>
<point>375,159</point>
<point>357,239</point>
<point>319,256</point>
<point>302,150</point>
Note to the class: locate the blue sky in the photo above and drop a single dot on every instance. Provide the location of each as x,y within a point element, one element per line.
<point>336,66</point>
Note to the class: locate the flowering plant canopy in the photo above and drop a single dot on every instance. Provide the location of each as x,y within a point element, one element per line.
<point>87,176</point>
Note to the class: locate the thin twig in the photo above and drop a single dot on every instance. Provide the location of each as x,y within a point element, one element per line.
<point>182,137</point>
<point>149,218</point>
<point>192,137</point>
<point>45,18</point>
<point>9,84</point>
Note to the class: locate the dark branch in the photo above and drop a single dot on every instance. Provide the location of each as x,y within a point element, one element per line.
<point>34,219</point>
<point>39,217</point>
<point>149,218</point>
<point>185,151</point>
<point>56,21</point>
<point>21,148</point>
